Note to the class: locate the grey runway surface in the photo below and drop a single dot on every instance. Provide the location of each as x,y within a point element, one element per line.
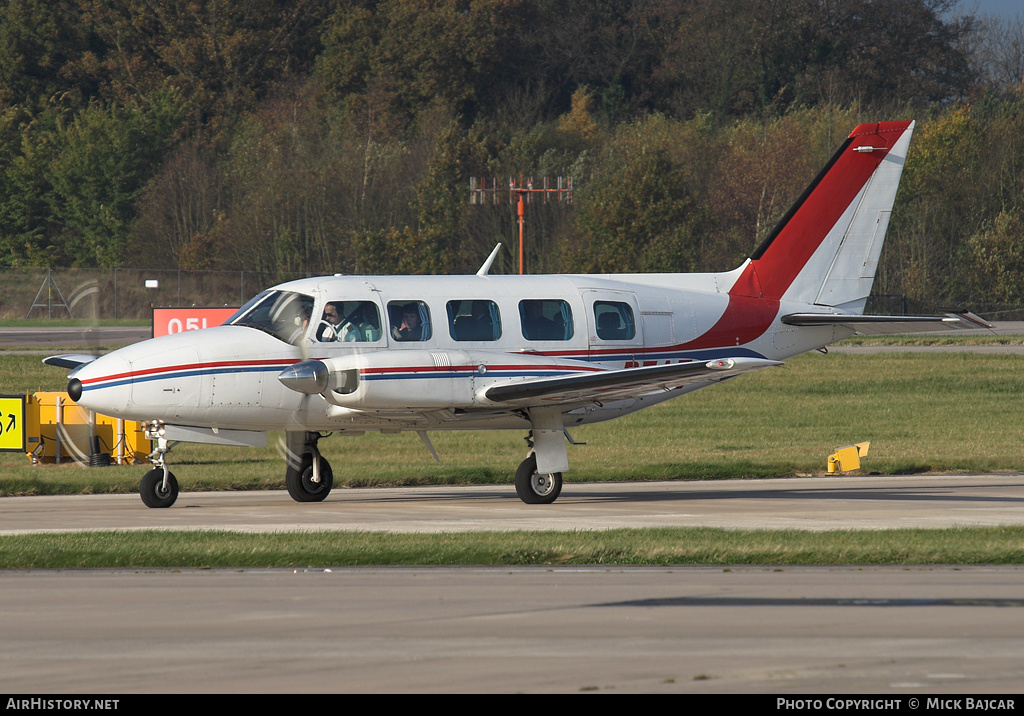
<point>835,631</point>
<point>910,631</point>
<point>812,503</point>
<point>69,335</point>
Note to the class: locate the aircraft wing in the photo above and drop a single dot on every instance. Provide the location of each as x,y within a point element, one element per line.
<point>619,384</point>
<point>69,361</point>
<point>875,325</point>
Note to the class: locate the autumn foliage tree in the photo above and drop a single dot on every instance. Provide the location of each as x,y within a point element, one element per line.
<point>287,137</point>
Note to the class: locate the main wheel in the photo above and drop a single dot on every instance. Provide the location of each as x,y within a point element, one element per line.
<point>153,491</point>
<point>536,488</point>
<point>300,482</point>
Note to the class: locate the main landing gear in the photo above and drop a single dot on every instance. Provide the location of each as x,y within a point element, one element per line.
<point>308,476</point>
<point>546,441</point>
<point>537,488</point>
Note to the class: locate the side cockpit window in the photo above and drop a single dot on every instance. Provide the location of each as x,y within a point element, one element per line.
<point>546,320</point>
<point>409,320</point>
<point>614,321</point>
<point>349,322</point>
<point>474,320</point>
<point>283,314</point>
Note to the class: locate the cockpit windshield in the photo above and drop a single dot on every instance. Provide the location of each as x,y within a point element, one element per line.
<point>284,314</point>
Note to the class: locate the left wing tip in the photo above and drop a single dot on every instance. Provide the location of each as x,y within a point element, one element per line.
<point>69,361</point>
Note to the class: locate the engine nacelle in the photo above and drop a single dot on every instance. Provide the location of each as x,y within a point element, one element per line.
<point>421,380</point>
<point>413,379</point>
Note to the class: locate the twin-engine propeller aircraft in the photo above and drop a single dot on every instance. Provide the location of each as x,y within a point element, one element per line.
<point>351,354</point>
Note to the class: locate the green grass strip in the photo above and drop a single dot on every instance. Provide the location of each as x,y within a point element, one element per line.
<point>663,546</point>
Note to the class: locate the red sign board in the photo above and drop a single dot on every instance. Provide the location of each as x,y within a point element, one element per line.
<point>176,320</point>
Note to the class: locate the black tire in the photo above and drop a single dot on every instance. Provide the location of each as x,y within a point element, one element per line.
<point>300,481</point>
<point>535,488</point>
<point>152,488</point>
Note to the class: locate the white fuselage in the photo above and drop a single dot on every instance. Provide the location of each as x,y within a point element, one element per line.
<point>227,377</point>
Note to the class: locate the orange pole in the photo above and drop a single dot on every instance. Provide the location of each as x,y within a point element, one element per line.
<point>521,211</point>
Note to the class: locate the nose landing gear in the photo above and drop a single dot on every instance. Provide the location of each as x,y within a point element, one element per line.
<point>159,487</point>
<point>308,476</point>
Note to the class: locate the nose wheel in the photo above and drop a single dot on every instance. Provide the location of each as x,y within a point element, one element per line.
<point>159,489</point>
<point>312,479</point>
<point>537,488</point>
<point>305,486</point>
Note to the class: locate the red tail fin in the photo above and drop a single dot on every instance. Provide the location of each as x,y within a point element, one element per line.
<point>835,229</point>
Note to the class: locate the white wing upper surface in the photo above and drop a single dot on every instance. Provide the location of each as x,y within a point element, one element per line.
<point>618,384</point>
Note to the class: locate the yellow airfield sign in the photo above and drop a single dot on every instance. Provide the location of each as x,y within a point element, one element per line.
<point>12,423</point>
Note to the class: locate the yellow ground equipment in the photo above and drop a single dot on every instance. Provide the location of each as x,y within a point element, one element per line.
<point>58,430</point>
<point>847,458</point>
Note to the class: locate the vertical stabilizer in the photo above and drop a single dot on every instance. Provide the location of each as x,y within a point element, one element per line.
<point>825,249</point>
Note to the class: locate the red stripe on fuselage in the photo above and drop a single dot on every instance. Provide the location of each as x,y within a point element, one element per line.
<point>188,367</point>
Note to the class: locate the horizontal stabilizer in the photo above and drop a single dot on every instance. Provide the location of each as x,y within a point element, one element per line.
<point>619,384</point>
<point>877,325</point>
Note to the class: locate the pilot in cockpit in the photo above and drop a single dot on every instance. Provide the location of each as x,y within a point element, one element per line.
<point>328,330</point>
<point>355,325</point>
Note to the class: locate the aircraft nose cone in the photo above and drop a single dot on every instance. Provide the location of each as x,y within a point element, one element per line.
<point>75,389</point>
<point>101,385</point>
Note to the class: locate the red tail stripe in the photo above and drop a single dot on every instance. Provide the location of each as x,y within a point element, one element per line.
<point>754,298</point>
<point>801,236</point>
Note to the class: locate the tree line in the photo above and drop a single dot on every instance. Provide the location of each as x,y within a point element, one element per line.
<point>284,136</point>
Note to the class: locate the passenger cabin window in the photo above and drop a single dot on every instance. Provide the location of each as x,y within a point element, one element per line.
<point>474,320</point>
<point>614,321</point>
<point>409,320</point>
<point>546,320</point>
<point>349,322</point>
<point>282,314</point>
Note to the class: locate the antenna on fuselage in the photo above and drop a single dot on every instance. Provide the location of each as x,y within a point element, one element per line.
<point>490,260</point>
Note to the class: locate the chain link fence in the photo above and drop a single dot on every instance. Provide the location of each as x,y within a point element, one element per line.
<point>123,294</point>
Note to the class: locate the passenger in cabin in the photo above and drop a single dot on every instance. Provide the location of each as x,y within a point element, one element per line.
<point>409,328</point>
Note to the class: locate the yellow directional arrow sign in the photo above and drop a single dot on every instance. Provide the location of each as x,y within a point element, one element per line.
<point>12,423</point>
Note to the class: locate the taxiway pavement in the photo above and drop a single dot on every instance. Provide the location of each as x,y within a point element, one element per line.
<point>810,503</point>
